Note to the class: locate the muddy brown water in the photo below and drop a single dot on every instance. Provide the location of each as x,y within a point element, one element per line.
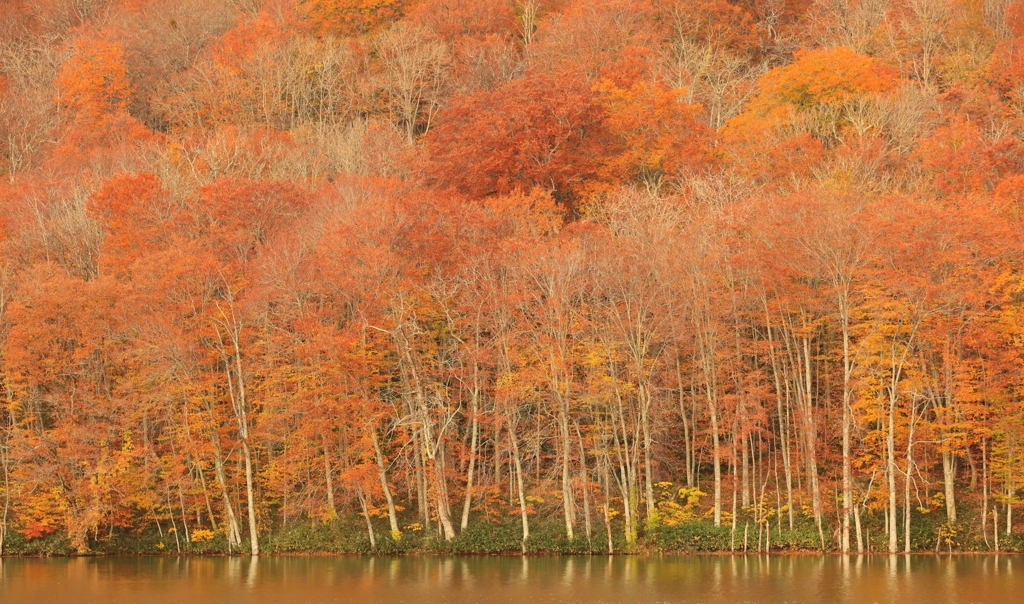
<point>962,579</point>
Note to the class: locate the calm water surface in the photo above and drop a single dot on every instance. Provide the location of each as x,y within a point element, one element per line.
<point>903,579</point>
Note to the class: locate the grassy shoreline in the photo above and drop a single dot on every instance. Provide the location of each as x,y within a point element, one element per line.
<point>348,536</point>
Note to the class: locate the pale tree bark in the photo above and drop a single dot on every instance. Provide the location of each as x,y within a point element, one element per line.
<point>231,355</point>
<point>848,503</point>
<point>923,23</point>
<point>5,467</point>
<point>944,403</point>
<point>329,478</point>
<point>584,481</point>
<point>414,66</point>
<point>234,532</point>
<point>838,242</point>
<point>899,352</point>
<point>626,444</point>
<point>474,440</point>
<point>206,498</point>
<point>383,476</point>
<point>810,434</point>
<point>568,495</point>
<point>520,487</point>
<point>366,516</point>
<point>529,11</point>
<point>606,487</point>
<point>28,115</point>
<point>949,482</point>
<point>687,442</point>
<point>631,318</point>
<point>556,284</point>
<point>707,345</point>
<point>799,351</point>
<point>714,77</point>
<point>890,453</point>
<point>783,414</point>
<point>639,301</point>
<point>431,438</point>
<point>5,451</point>
<point>908,475</point>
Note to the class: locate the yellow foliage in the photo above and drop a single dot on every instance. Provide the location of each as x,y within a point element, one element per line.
<point>327,515</point>
<point>680,506</point>
<point>821,77</point>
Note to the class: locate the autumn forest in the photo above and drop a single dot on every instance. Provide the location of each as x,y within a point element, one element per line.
<point>504,276</point>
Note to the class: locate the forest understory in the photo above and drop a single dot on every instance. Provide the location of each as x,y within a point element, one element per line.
<point>511,276</point>
<point>348,535</point>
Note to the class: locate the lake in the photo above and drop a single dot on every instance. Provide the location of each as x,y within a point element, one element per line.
<point>293,579</point>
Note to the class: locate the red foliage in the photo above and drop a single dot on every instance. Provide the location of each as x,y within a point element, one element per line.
<point>454,19</point>
<point>537,131</point>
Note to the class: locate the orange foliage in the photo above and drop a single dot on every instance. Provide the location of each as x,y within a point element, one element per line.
<point>821,77</point>
<point>396,259</point>
<point>961,161</point>
<point>658,134</point>
<point>350,17</point>
<point>453,19</point>
<point>136,215</point>
<point>599,38</point>
<point>1015,18</point>
<point>800,108</point>
<point>538,131</point>
<point>94,82</point>
<point>720,23</point>
<point>1006,69</point>
<point>95,88</point>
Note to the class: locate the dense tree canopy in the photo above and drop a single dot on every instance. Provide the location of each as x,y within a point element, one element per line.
<point>623,268</point>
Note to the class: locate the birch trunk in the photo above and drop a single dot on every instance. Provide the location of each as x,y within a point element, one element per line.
<point>516,458</point>
<point>467,503</point>
<point>382,472</point>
